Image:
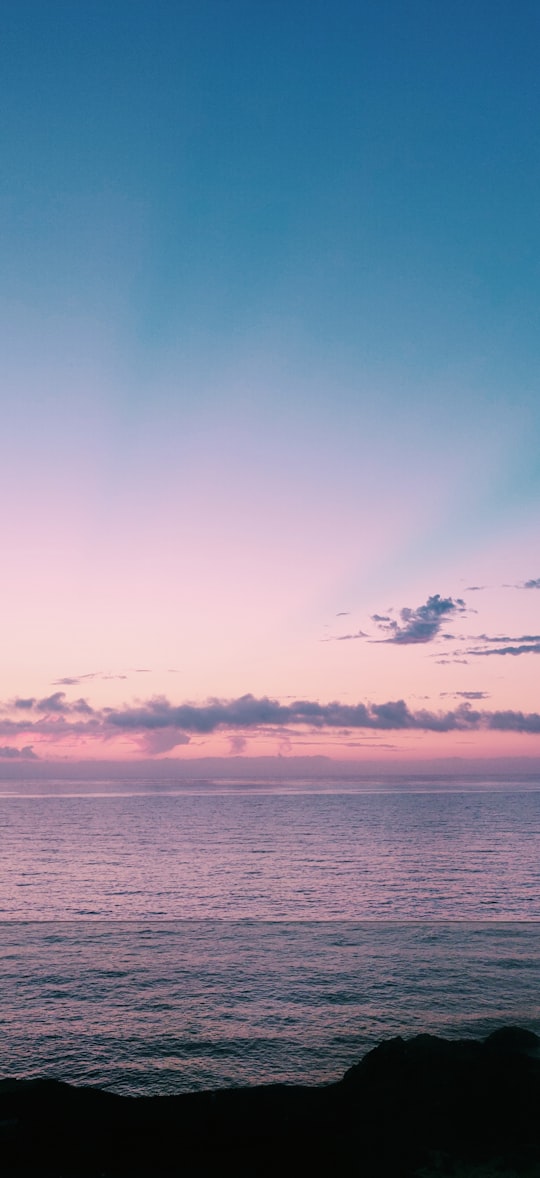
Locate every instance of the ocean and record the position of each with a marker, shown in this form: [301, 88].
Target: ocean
[169, 940]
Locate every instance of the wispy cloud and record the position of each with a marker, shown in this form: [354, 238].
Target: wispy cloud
[419, 625]
[466, 694]
[506, 638]
[345, 637]
[523, 648]
[76, 680]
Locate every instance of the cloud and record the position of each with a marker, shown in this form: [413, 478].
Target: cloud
[76, 680]
[472, 694]
[345, 637]
[343, 613]
[159, 725]
[452, 662]
[422, 624]
[474, 588]
[466, 694]
[10, 753]
[58, 704]
[162, 741]
[534, 583]
[514, 721]
[248, 712]
[237, 745]
[506, 638]
[504, 644]
[523, 648]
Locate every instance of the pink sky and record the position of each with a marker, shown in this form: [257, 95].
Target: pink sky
[270, 372]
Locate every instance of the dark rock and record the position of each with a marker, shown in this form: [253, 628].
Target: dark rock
[423, 1104]
[512, 1039]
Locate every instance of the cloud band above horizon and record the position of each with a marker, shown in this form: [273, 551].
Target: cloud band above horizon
[56, 719]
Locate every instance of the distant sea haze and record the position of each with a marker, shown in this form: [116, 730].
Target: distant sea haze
[222, 935]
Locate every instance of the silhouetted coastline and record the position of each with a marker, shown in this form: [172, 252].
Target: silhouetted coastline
[423, 1106]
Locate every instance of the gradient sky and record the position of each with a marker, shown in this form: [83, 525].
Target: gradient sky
[270, 360]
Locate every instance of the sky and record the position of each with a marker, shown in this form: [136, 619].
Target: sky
[269, 379]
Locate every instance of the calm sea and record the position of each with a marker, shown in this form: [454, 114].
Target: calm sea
[167, 941]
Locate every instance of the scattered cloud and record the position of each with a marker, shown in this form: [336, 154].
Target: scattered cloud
[534, 583]
[343, 613]
[419, 625]
[475, 588]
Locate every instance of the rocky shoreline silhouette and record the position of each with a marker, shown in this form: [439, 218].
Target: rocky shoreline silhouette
[419, 1107]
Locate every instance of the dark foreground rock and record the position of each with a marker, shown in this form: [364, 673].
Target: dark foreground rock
[423, 1106]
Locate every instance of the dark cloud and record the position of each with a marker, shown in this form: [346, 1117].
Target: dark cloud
[249, 712]
[514, 721]
[53, 703]
[160, 726]
[534, 583]
[343, 613]
[24, 704]
[9, 753]
[422, 624]
[58, 704]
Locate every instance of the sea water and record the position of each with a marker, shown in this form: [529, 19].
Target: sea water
[210, 935]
